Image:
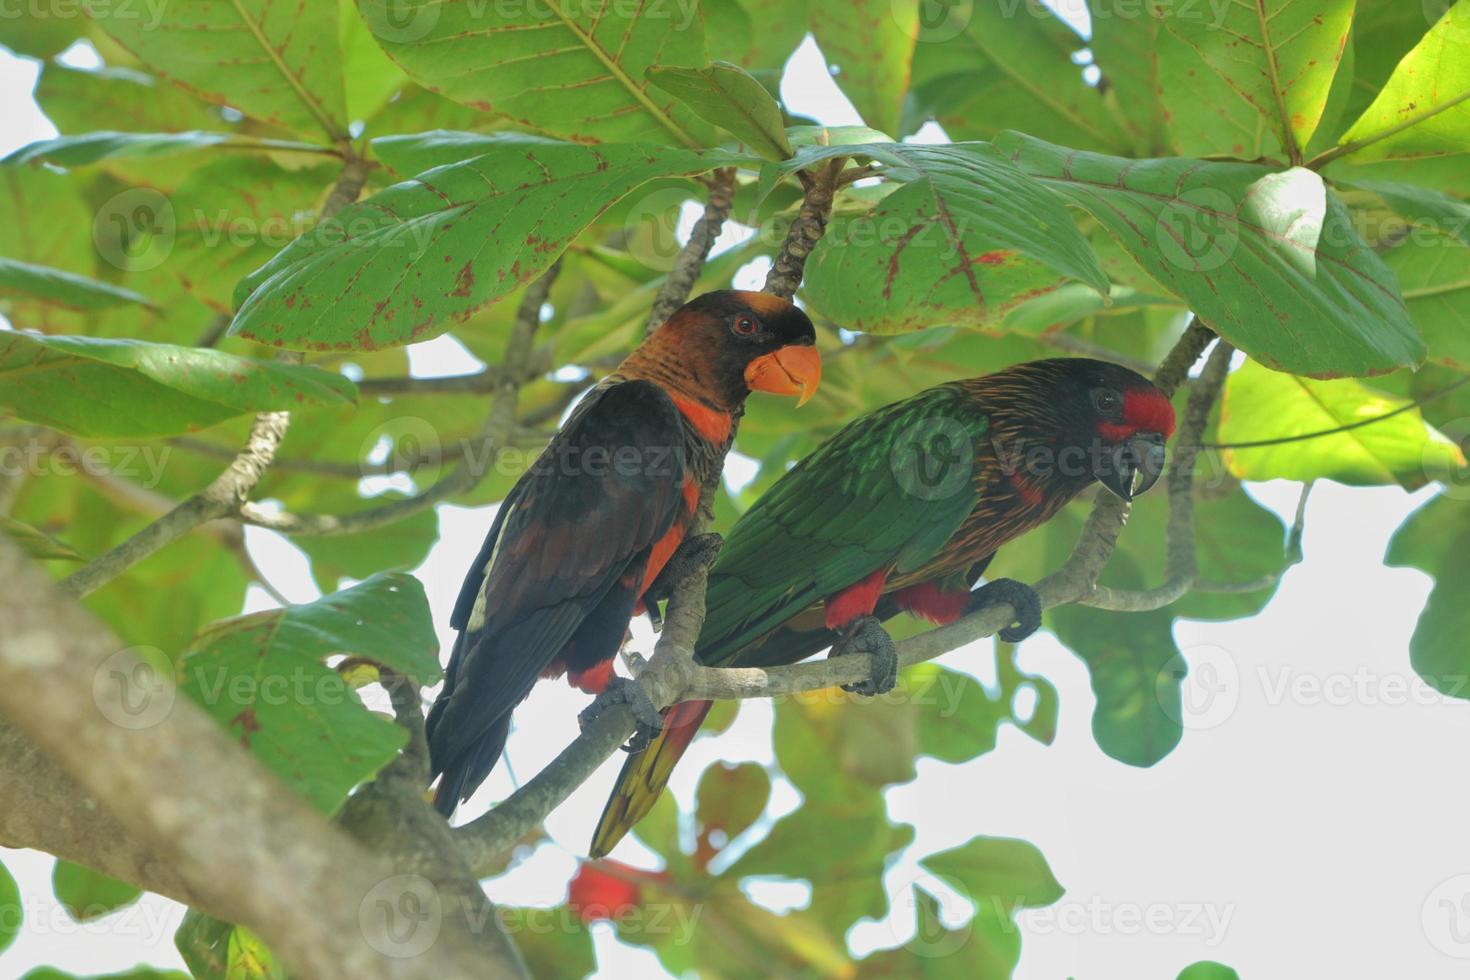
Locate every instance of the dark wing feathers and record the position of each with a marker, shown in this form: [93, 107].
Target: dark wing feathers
[571, 527]
[840, 514]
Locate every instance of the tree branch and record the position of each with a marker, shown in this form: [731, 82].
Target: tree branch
[239, 842]
[672, 676]
[806, 230]
[688, 264]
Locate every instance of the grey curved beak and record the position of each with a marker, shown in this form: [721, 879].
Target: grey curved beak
[1133, 466]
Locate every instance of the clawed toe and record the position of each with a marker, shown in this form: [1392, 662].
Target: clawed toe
[1020, 597]
[620, 691]
[867, 635]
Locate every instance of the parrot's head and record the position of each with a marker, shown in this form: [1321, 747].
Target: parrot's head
[732, 343]
[1093, 420]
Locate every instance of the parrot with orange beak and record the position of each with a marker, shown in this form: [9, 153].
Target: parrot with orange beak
[579, 543]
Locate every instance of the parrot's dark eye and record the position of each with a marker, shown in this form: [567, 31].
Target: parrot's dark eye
[744, 325]
[1106, 401]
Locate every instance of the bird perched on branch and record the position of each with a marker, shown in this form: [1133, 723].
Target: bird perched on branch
[901, 511]
[581, 540]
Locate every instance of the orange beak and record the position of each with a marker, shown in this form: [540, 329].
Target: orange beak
[791, 370]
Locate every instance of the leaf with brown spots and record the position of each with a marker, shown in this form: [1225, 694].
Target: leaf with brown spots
[404, 264]
[265, 679]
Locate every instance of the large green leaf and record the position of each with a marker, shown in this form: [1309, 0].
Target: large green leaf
[729, 97]
[48, 224]
[730, 799]
[987, 67]
[1436, 539]
[1123, 47]
[1422, 110]
[401, 545]
[86, 148]
[95, 387]
[1272, 62]
[1269, 260]
[1424, 207]
[965, 241]
[1008, 873]
[1208, 970]
[988, 947]
[263, 677]
[1260, 404]
[572, 70]
[414, 153]
[35, 542]
[89, 894]
[871, 45]
[399, 266]
[756, 34]
[62, 288]
[1434, 272]
[1135, 669]
[276, 63]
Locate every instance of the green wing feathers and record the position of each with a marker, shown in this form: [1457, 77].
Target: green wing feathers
[889, 489]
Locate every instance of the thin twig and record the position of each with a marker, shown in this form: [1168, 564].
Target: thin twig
[806, 230]
[688, 264]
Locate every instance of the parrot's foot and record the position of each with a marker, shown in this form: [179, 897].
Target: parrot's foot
[621, 690]
[699, 551]
[867, 635]
[1020, 597]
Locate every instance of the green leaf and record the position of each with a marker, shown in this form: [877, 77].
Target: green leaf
[414, 153]
[263, 678]
[404, 544]
[1424, 206]
[136, 973]
[1208, 970]
[35, 542]
[63, 288]
[89, 894]
[1135, 670]
[871, 44]
[551, 941]
[756, 34]
[942, 250]
[1434, 273]
[37, 31]
[731, 798]
[1000, 871]
[96, 387]
[1265, 64]
[87, 148]
[1260, 404]
[986, 947]
[1123, 46]
[278, 64]
[397, 267]
[1271, 261]
[217, 950]
[12, 912]
[51, 226]
[1436, 540]
[574, 71]
[989, 67]
[729, 97]
[1422, 108]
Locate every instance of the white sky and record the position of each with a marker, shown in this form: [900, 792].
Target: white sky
[1311, 824]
